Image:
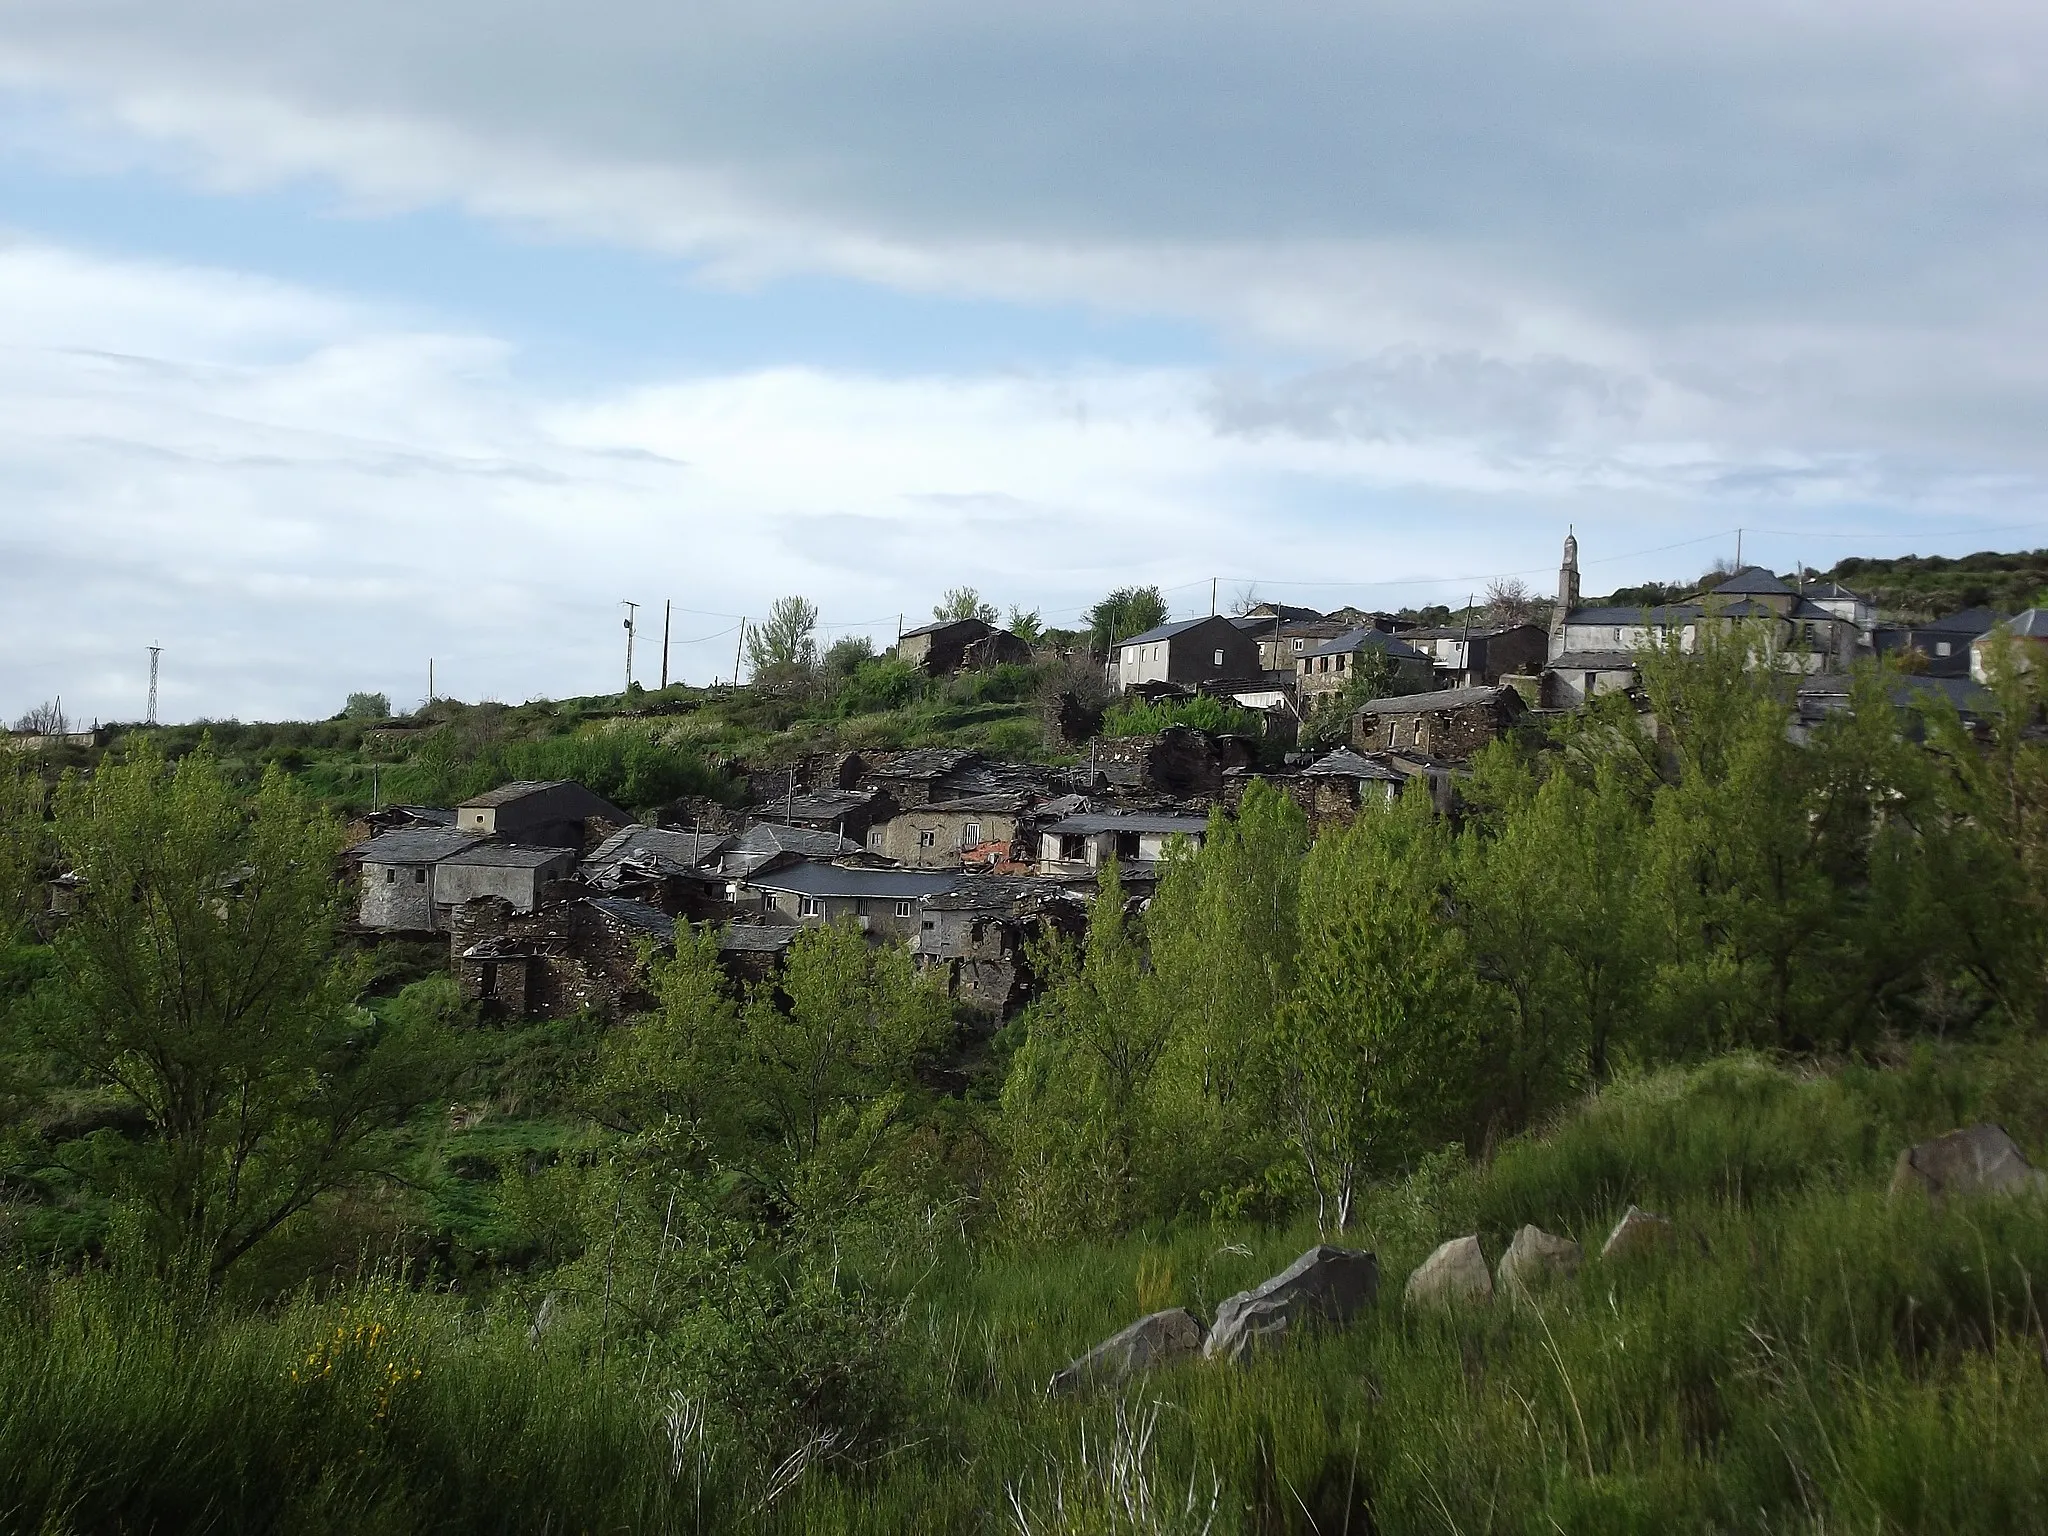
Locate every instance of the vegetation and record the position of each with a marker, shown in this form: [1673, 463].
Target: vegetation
[1203, 712]
[1125, 612]
[802, 1256]
[1928, 586]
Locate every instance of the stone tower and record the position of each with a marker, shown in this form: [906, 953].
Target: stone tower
[1567, 584]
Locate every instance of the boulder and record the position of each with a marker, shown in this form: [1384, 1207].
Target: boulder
[1638, 1231]
[1536, 1257]
[1454, 1274]
[1160, 1339]
[1326, 1285]
[1976, 1160]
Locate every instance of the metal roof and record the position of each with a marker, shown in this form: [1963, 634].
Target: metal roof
[1134, 821]
[416, 845]
[811, 878]
[1447, 698]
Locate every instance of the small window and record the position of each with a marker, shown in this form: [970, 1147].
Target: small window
[1617, 634]
[903, 908]
[807, 906]
[1300, 644]
[860, 906]
[390, 875]
[1126, 845]
[1341, 660]
[1941, 648]
[970, 835]
[770, 902]
[927, 838]
[419, 877]
[1219, 657]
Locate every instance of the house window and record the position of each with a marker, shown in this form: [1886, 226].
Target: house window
[1299, 644]
[1941, 647]
[860, 906]
[770, 902]
[1127, 845]
[419, 877]
[390, 875]
[927, 838]
[970, 835]
[1073, 847]
[807, 906]
[1219, 658]
[903, 909]
[1341, 660]
[1617, 634]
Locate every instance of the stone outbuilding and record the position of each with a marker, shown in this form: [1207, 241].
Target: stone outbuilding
[1182, 761]
[571, 956]
[396, 874]
[559, 813]
[978, 936]
[979, 830]
[959, 645]
[1190, 652]
[1452, 724]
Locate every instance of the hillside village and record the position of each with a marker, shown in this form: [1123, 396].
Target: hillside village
[551, 898]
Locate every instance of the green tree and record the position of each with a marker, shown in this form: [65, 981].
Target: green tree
[198, 980]
[367, 706]
[680, 1065]
[785, 645]
[1372, 1061]
[1125, 612]
[844, 656]
[963, 603]
[23, 841]
[1024, 624]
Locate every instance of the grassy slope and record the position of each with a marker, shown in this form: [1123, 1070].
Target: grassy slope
[1927, 586]
[1813, 1357]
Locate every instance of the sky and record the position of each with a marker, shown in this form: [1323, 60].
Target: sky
[336, 339]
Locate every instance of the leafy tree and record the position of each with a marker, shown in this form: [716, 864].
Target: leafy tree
[681, 1064]
[844, 656]
[963, 603]
[367, 706]
[1371, 1059]
[23, 841]
[785, 644]
[1125, 612]
[198, 981]
[1024, 624]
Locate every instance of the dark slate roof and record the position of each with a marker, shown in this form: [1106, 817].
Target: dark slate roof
[416, 845]
[510, 856]
[505, 794]
[651, 922]
[1445, 698]
[1905, 691]
[1287, 613]
[425, 815]
[915, 763]
[973, 805]
[2033, 623]
[1347, 764]
[766, 838]
[1594, 661]
[997, 893]
[944, 624]
[1165, 631]
[1971, 621]
[660, 848]
[1752, 581]
[812, 878]
[1128, 821]
[756, 938]
[1667, 613]
[1459, 632]
[819, 805]
[1354, 640]
[1832, 591]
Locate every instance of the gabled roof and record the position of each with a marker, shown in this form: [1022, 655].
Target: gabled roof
[1832, 592]
[638, 916]
[505, 794]
[416, 845]
[1266, 613]
[1347, 764]
[915, 763]
[2032, 623]
[1445, 698]
[813, 878]
[1168, 631]
[997, 893]
[1971, 621]
[1353, 641]
[1752, 581]
[1663, 613]
[659, 848]
[768, 838]
[944, 624]
[511, 856]
[756, 938]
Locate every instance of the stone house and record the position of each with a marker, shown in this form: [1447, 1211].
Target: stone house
[1336, 786]
[2023, 638]
[1452, 724]
[847, 812]
[919, 775]
[559, 813]
[978, 935]
[1465, 656]
[396, 875]
[979, 830]
[753, 952]
[805, 892]
[1327, 667]
[1181, 761]
[1079, 845]
[567, 957]
[1191, 652]
[517, 874]
[957, 645]
[1283, 642]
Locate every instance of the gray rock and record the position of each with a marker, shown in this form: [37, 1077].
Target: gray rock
[1637, 1232]
[1536, 1257]
[1976, 1160]
[1326, 1285]
[1160, 1339]
[1453, 1275]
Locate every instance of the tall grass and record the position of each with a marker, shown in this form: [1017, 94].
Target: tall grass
[1810, 1355]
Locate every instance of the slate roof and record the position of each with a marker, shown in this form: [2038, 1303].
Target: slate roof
[819, 805]
[996, 893]
[812, 878]
[1594, 661]
[1166, 631]
[1665, 613]
[416, 845]
[1347, 764]
[1833, 591]
[1089, 823]
[1459, 632]
[1355, 640]
[1287, 613]
[505, 794]
[915, 763]
[767, 838]
[2033, 623]
[657, 847]
[1752, 581]
[1445, 698]
[1971, 621]
[756, 938]
[942, 624]
[511, 856]
[650, 922]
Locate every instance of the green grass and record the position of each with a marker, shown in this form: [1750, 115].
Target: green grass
[1812, 1356]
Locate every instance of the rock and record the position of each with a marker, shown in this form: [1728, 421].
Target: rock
[1327, 1285]
[1454, 1274]
[1976, 1160]
[1638, 1231]
[1160, 1339]
[1536, 1257]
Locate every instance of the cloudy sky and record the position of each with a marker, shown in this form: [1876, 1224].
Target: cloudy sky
[338, 337]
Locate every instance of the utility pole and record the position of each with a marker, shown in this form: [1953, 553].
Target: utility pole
[664, 642]
[430, 679]
[1212, 597]
[739, 647]
[1738, 549]
[1465, 645]
[154, 652]
[631, 609]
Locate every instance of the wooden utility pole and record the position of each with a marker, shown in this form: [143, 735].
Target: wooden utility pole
[1212, 597]
[739, 647]
[631, 609]
[665, 605]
